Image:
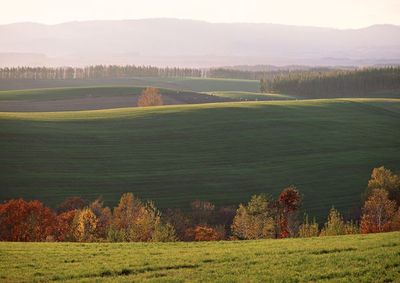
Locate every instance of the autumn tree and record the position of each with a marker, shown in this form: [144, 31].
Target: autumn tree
[103, 216]
[164, 233]
[179, 220]
[150, 97]
[125, 215]
[202, 212]
[335, 224]
[71, 203]
[254, 220]
[378, 212]
[308, 229]
[64, 226]
[382, 178]
[85, 225]
[289, 202]
[26, 221]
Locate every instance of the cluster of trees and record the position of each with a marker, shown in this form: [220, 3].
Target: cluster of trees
[95, 72]
[330, 83]
[138, 221]
[150, 97]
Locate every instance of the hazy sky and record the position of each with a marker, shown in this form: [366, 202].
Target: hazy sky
[327, 13]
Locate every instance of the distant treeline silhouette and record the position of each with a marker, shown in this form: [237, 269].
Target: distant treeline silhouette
[332, 82]
[133, 220]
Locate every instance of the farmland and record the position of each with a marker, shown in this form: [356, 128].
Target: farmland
[222, 152]
[355, 258]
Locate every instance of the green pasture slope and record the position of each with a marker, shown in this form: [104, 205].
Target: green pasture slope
[222, 152]
[64, 93]
[355, 258]
[188, 84]
[251, 96]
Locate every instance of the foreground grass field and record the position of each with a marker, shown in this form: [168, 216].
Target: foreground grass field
[222, 152]
[358, 258]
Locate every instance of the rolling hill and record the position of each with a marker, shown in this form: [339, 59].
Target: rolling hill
[91, 98]
[222, 152]
[355, 258]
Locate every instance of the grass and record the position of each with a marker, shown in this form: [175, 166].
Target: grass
[355, 258]
[63, 93]
[189, 84]
[222, 152]
[251, 96]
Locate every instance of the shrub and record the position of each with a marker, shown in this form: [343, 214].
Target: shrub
[164, 233]
[335, 224]
[307, 229]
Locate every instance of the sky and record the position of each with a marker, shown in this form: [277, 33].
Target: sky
[324, 13]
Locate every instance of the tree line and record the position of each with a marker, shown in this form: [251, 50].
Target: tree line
[329, 83]
[134, 220]
[95, 72]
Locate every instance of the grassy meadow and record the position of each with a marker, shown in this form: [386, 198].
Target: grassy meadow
[188, 84]
[354, 258]
[251, 96]
[222, 152]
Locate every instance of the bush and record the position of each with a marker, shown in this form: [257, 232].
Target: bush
[307, 229]
[335, 224]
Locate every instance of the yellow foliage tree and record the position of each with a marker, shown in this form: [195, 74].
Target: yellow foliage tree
[86, 223]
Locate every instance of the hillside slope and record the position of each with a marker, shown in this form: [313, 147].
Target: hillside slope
[356, 258]
[221, 152]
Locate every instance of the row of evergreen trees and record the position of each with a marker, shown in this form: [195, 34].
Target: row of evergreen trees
[95, 72]
[333, 83]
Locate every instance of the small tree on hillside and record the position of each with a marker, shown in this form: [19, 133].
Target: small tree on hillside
[308, 229]
[254, 220]
[335, 224]
[289, 202]
[378, 212]
[382, 178]
[150, 97]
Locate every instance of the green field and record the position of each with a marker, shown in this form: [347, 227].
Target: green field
[188, 84]
[222, 152]
[251, 96]
[358, 258]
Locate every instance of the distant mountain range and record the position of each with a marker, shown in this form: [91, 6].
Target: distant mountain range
[188, 43]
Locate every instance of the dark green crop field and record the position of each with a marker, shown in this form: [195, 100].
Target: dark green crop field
[356, 258]
[221, 152]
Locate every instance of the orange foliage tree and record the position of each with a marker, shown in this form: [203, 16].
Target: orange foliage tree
[150, 97]
[26, 221]
[378, 212]
[204, 233]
